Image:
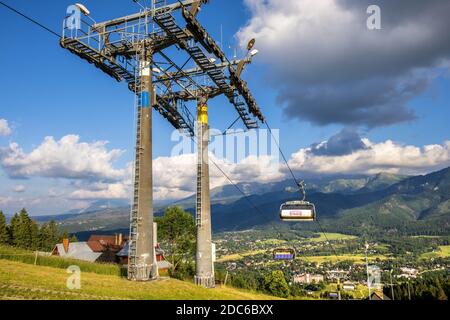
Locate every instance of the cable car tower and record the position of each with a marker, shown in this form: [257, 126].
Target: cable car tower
[136, 49]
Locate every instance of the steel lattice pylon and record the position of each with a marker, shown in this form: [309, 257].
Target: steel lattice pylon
[132, 49]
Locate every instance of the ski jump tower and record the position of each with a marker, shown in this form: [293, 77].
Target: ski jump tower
[135, 49]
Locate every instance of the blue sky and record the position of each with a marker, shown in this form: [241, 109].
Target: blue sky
[46, 91]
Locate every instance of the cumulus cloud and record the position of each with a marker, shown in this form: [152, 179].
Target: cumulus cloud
[40, 204]
[163, 193]
[175, 177]
[67, 158]
[387, 156]
[329, 68]
[54, 193]
[263, 169]
[5, 130]
[174, 173]
[4, 201]
[19, 188]
[102, 191]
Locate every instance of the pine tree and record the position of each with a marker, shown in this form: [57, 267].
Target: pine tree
[55, 236]
[4, 234]
[14, 229]
[49, 236]
[35, 236]
[22, 233]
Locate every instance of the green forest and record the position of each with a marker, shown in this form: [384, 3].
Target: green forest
[22, 232]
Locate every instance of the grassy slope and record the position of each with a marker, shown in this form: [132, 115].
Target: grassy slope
[444, 252]
[331, 236]
[24, 281]
[355, 258]
[239, 256]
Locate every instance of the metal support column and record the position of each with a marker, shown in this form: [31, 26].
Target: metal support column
[204, 265]
[142, 265]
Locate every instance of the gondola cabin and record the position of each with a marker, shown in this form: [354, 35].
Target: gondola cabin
[284, 254]
[298, 211]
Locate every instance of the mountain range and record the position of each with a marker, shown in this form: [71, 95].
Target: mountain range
[352, 204]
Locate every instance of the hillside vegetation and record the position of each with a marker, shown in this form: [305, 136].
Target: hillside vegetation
[442, 252]
[331, 237]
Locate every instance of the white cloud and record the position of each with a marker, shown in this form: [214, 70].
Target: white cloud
[90, 164]
[40, 204]
[387, 156]
[175, 177]
[67, 158]
[177, 172]
[54, 193]
[5, 130]
[19, 188]
[4, 201]
[162, 193]
[261, 169]
[105, 191]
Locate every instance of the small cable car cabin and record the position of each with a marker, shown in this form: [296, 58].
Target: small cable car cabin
[298, 211]
[284, 254]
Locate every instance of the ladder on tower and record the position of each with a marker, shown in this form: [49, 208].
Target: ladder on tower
[167, 23]
[134, 218]
[198, 207]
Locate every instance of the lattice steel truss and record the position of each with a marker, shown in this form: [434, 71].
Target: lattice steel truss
[113, 47]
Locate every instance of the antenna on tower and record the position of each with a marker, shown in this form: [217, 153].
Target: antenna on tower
[138, 2]
[221, 37]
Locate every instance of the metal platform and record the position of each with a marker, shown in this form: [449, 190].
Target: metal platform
[100, 60]
[216, 73]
